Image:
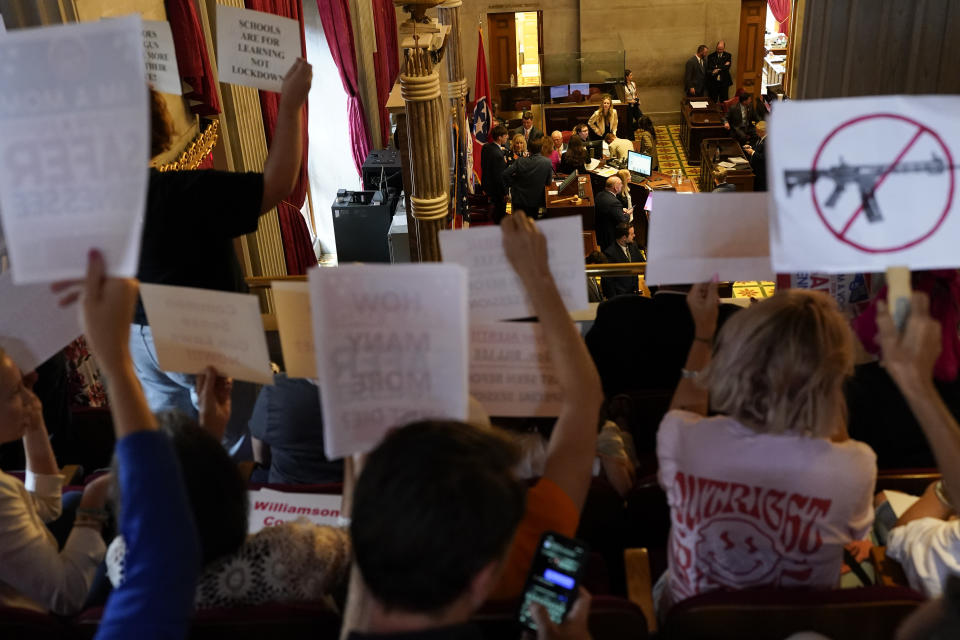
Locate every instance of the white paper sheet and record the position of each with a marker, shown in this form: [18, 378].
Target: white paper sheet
[699, 104]
[74, 130]
[899, 501]
[391, 343]
[511, 372]
[196, 328]
[32, 325]
[269, 507]
[255, 49]
[593, 164]
[902, 150]
[694, 236]
[495, 289]
[294, 324]
[160, 57]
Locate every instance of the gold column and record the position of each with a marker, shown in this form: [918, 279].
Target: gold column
[448, 14]
[428, 123]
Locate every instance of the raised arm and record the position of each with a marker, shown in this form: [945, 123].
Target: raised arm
[572, 446]
[282, 167]
[704, 307]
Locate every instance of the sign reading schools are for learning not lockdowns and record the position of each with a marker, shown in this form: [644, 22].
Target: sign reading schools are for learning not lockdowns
[255, 49]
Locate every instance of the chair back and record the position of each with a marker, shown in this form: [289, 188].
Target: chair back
[912, 481]
[726, 104]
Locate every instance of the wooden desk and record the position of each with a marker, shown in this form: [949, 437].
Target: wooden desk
[742, 176]
[698, 124]
[563, 117]
[586, 208]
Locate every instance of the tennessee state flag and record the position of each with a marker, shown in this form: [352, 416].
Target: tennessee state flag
[482, 116]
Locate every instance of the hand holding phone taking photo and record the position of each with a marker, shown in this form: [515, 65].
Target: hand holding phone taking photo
[574, 627]
[553, 584]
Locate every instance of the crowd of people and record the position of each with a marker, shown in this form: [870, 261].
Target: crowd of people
[743, 415]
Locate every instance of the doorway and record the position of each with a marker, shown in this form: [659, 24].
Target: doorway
[516, 49]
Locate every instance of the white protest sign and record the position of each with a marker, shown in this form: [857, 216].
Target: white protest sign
[160, 57]
[495, 289]
[74, 145]
[694, 237]
[292, 301]
[33, 326]
[255, 49]
[391, 343]
[511, 373]
[865, 183]
[268, 508]
[196, 328]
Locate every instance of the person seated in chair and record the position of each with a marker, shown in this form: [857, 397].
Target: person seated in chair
[623, 249]
[741, 119]
[722, 186]
[610, 212]
[618, 147]
[527, 178]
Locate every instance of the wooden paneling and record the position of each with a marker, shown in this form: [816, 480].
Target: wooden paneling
[503, 50]
[753, 17]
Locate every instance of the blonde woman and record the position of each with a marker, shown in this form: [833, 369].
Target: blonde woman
[603, 120]
[518, 147]
[624, 196]
[768, 491]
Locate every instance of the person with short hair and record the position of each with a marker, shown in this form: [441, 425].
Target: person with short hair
[623, 250]
[527, 177]
[582, 131]
[694, 75]
[718, 78]
[527, 129]
[559, 146]
[720, 177]
[769, 490]
[741, 119]
[610, 212]
[757, 155]
[492, 165]
[619, 148]
[603, 120]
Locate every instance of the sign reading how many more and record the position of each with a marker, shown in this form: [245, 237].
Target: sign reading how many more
[391, 343]
[74, 145]
[160, 57]
[255, 49]
[861, 184]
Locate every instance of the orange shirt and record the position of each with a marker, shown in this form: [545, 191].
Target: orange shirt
[548, 509]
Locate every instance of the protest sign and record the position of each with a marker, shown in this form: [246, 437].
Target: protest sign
[694, 238]
[292, 301]
[511, 373]
[33, 326]
[196, 328]
[864, 184]
[391, 347]
[160, 57]
[255, 49]
[269, 507]
[495, 289]
[74, 145]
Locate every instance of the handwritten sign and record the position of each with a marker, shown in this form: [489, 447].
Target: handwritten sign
[268, 508]
[495, 289]
[865, 184]
[74, 143]
[33, 326]
[511, 373]
[197, 328]
[696, 236]
[255, 49]
[391, 346]
[292, 300]
[160, 57]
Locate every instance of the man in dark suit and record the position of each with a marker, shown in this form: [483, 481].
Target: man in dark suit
[758, 158]
[610, 212]
[718, 73]
[527, 130]
[740, 119]
[695, 73]
[623, 249]
[492, 165]
[527, 178]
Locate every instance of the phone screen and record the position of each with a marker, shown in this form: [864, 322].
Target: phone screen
[554, 577]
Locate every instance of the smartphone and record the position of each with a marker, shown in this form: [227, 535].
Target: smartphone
[554, 577]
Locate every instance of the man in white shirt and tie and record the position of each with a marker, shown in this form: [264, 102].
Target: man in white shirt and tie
[623, 249]
[694, 76]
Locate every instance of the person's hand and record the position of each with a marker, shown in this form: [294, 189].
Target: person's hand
[96, 492]
[213, 401]
[296, 85]
[106, 313]
[33, 410]
[524, 245]
[909, 357]
[704, 304]
[747, 149]
[726, 125]
[574, 627]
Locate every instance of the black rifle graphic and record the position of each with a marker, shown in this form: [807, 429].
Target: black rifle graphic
[866, 177]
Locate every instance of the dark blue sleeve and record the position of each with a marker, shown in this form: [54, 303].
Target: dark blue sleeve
[163, 552]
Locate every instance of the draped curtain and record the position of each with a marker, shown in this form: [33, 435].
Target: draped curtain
[192, 58]
[297, 248]
[385, 60]
[338, 30]
[781, 13]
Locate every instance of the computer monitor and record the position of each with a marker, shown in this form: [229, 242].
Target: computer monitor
[594, 148]
[639, 164]
[559, 91]
[582, 87]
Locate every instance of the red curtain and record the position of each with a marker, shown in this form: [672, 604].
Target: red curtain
[297, 248]
[386, 60]
[337, 28]
[192, 59]
[781, 13]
